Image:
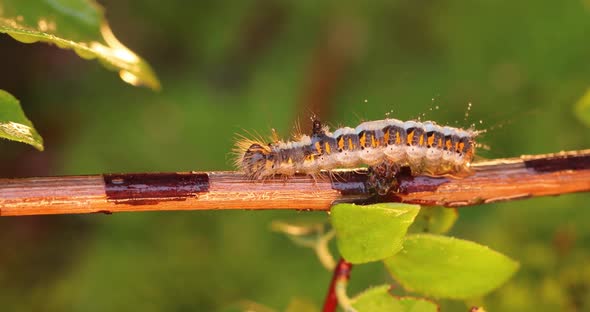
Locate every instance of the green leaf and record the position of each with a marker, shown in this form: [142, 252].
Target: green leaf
[14, 125]
[373, 232]
[436, 220]
[582, 108]
[447, 267]
[78, 25]
[379, 299]
[412, 304]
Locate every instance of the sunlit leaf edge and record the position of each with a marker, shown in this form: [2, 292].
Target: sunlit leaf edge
[114, 55]
[18, 130]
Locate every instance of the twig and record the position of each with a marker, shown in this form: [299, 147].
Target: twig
[492, 181]
[341, 274]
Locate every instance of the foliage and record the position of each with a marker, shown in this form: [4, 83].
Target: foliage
[78, 25]
[370, 233]
[446, 267]
[378, 299]
[432, 265]
[14, 125]
[436, 220]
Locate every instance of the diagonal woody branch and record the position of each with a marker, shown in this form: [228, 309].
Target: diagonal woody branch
[492, 181]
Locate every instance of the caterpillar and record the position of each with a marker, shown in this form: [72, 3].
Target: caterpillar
[426, 147]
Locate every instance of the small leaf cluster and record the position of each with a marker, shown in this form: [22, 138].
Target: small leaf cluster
[429, 264]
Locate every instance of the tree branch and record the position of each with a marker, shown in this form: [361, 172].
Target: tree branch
[491, 181]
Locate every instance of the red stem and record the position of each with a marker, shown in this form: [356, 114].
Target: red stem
[341, 272]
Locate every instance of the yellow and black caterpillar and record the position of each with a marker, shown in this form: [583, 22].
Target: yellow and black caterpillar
[426, 147]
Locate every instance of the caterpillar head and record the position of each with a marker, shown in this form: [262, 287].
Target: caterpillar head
[254, 161]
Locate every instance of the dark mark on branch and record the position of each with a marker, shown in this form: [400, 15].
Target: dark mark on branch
[559, 163]
[407, 183]
[350, 183]
[410, 184]
[152, 188]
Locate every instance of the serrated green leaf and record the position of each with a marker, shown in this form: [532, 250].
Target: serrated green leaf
[448, 267]
[14, 125]
[435, 220]
[77, 25]
[379, 299]
[373, 232]
[582, 109]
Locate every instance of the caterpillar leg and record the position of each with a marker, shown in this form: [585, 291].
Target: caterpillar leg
[383, 177]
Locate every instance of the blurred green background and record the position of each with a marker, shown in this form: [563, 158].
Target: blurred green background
[229, 66]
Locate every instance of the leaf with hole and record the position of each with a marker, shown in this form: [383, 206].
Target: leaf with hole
[77, 25]
[372, 232]
[447, 267]
[14, 125]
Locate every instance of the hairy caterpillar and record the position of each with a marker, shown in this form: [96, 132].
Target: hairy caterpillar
[426, 147]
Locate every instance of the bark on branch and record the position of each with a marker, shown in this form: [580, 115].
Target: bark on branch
[492, 181]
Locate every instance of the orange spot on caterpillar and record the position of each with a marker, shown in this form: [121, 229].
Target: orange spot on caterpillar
[410, 137]
[430, 139]
[318, 147]
[363, 140]
[341, 143]
[386, 137]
